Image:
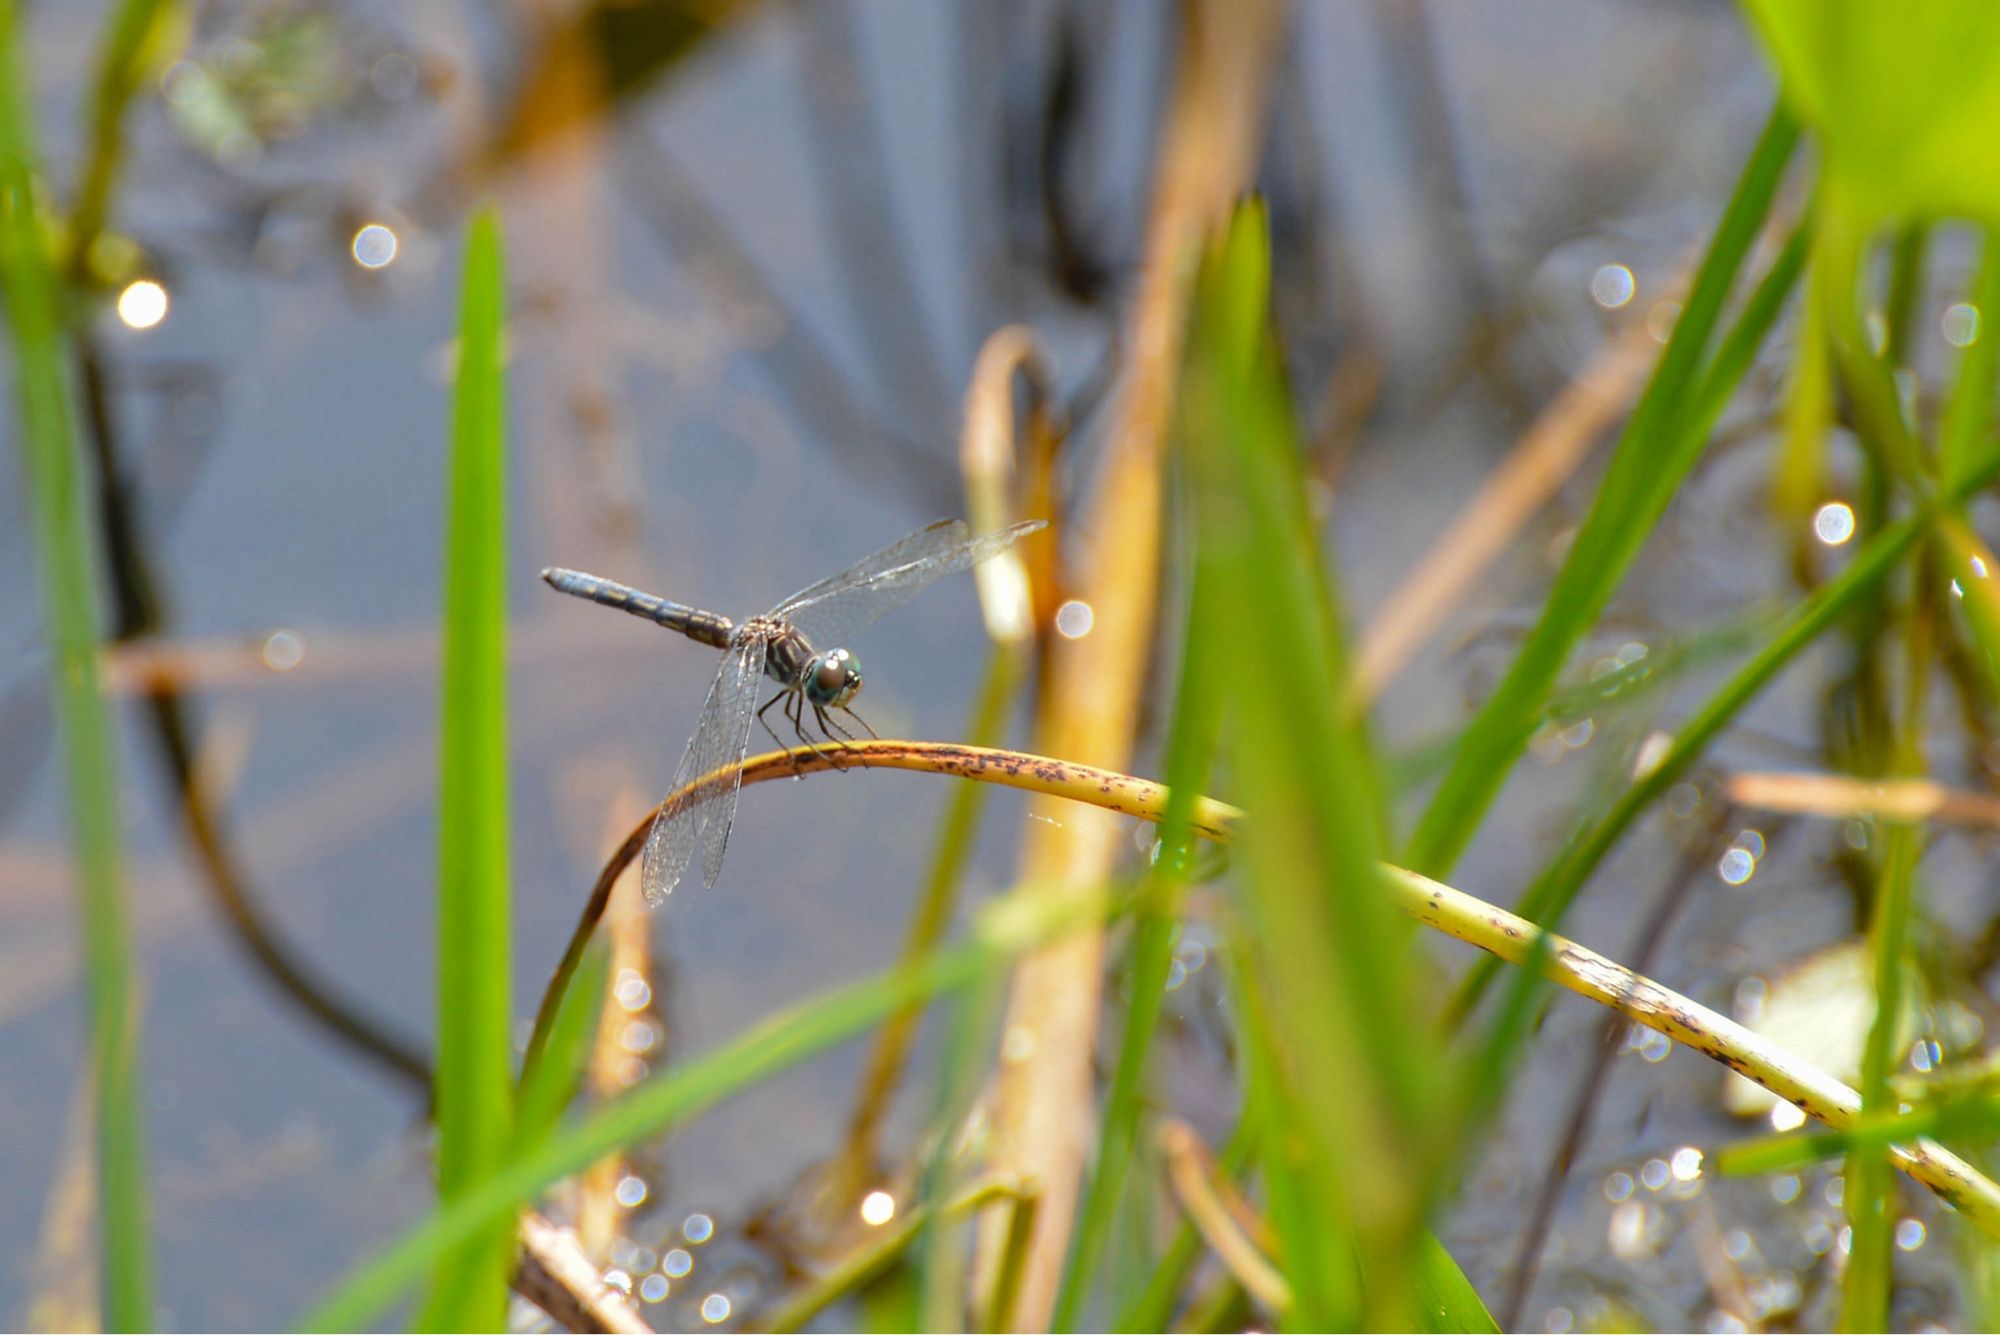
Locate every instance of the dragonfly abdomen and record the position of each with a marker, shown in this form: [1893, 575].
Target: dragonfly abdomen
[706, 627]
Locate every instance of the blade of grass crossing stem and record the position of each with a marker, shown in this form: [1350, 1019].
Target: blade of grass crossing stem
[69, 611]
[547, 1090]
[1551, 894]
[1610, 536]
[1008, 929]
[1733, 358]
[1963, 1117]
[1871, 1186]
[1190, 749]
[475, 1098]
[1357, 1070]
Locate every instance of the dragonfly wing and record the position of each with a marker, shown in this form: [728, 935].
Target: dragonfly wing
[701, 806]
[832, 610]
[931, 538]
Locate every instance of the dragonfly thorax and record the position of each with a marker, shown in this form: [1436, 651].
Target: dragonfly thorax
[832, 679]
[828, 680]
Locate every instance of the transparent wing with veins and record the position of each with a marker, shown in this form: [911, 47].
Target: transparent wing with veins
[701, 819]
[834, 609]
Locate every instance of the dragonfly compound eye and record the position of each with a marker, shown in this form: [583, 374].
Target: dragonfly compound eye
[834, 680]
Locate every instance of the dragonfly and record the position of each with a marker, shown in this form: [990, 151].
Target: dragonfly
[780, 645]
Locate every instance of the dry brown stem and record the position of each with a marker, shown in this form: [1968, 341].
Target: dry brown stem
[1042, 1109]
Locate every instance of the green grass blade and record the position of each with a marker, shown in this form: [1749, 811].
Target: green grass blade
[1154, 1307]
[130, 47]
[1871, 1188]
[69, 611]
[547, 1089]
[970, 1023]
[1190, 750]
[1974, 1116]
[1550, 896]
[1633, 495]
[475, 1101]
[1355, 1123]
[1967, 438]
[1005, 931]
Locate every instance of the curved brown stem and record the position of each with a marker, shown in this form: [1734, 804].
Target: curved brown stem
[1016, 769]
[1505, 935]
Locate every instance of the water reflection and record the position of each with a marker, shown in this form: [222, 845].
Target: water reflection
[374, 246]
[142, 304]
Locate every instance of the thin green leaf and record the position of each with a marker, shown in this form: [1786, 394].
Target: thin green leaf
[1967, 439]
[63, 560]
[1902, 97]
[546, 1091]
[1634, 494]
[1190, 751]
[1560, 882]
[1006, 930]
[1552, 892]
[1354, 1128]
[132, 45]
[1871, 1188]
[475, 1099]
[1154, 1307]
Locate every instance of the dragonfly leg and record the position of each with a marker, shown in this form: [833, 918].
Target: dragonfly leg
[840, 733]
[834, 730]
[797, 773]
[795, 710]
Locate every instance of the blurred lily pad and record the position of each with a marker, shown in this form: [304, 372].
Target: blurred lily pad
[1905, 100]
[1820, 1009]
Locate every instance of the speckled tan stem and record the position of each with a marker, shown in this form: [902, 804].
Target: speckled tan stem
[1589, 974]
[1453, 912]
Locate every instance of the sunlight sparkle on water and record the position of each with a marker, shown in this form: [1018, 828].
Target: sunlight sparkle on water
[284, 650]
[1685, 1164]
[654, 1288]
[374, 246]
[1786, 1117]
[1074, 619]
[698, 1228]
[1737, 866]
[1909, 1234]
[1960, 324]
[1612, 286]
[715, 1309]
[631, 1191]
[1833, 523]
[677, 1263]
[632, 990]
[142, 304]
[877, 1208]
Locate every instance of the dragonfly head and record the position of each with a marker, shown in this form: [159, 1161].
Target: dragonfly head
[833, 678]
